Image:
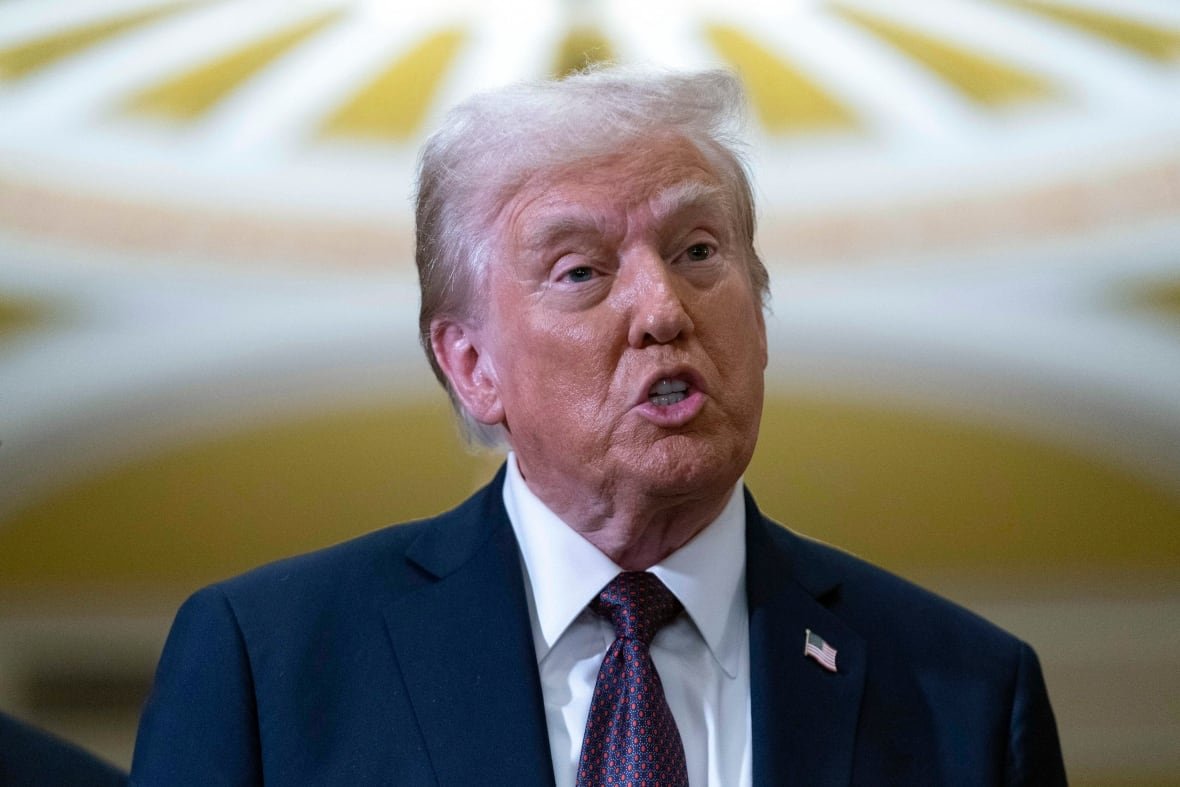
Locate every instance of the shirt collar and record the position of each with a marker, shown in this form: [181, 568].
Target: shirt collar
[565, 571]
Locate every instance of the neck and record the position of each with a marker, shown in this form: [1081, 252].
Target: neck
[636, 541]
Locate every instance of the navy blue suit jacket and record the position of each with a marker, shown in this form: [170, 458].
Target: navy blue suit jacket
[406, 657]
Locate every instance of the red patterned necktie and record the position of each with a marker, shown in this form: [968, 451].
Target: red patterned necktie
[631, 738]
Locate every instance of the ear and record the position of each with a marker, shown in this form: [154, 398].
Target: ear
[470, 371]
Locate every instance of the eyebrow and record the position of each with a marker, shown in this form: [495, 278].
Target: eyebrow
[555, 228]
[687, 195]
[668, 202]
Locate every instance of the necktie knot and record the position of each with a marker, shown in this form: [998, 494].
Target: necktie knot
[637, 604]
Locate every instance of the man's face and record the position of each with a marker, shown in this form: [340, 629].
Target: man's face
[623, 336]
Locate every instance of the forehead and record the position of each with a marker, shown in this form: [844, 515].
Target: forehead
[662, 176]
[641, 165]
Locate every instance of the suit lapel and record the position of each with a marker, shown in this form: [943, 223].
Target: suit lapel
[804, 717]
[464, 646]
[463, 642]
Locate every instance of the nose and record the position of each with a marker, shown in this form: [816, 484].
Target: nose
[658, 314]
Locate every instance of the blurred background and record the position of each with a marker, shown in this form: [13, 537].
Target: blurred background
[208, 356]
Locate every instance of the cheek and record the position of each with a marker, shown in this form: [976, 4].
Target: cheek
[736, 323]
[565, 345]
[739, 350]
[561, 367]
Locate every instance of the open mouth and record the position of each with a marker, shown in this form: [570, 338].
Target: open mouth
[668, 392]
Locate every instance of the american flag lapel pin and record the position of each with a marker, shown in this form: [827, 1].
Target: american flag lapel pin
[815, 647]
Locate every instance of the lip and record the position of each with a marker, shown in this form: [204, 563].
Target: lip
[672, 415]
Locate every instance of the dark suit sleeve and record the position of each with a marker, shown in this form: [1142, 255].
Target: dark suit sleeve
[31, 757]
[1034, 752]
[200, 722]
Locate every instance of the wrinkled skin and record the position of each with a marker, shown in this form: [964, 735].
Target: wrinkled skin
[609, 276]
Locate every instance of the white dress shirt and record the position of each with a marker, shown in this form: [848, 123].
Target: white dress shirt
[703, 657]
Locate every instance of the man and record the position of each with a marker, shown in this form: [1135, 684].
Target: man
[612, 605]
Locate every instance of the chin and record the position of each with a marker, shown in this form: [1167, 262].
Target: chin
[683, 466]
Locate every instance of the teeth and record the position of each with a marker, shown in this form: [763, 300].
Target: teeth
[667, 392]
[666, 386]
[664, 401]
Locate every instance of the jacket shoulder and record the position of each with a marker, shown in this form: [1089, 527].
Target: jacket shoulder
[955, 691]
[893, 612]
[361, 572]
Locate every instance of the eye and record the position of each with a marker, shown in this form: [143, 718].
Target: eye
[579, 274]
[699, 252]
